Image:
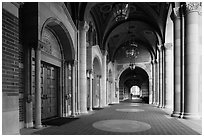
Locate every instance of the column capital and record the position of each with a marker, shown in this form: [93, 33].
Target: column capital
[152, 61]
[90, 71]
[83, 25]
[168, 46]
[176, 13]
[193, 7]
[156, 61]
[104, 52]
[73, 62]
[160, 47]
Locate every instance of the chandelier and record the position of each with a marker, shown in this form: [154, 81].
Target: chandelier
[121, 11]
[131, 53]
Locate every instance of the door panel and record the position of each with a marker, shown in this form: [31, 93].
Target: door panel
[49, 91]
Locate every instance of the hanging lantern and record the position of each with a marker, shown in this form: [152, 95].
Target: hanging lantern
[131, 53]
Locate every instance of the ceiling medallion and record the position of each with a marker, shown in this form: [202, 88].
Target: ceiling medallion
[121, 11]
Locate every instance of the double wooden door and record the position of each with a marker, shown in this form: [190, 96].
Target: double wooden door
[49, 88]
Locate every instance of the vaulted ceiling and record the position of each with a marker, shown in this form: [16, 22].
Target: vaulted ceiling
[145, 24]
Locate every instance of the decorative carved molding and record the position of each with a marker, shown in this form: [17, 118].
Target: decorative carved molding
[152, 62]
[83, 25]
[160, 47]
[156, 61]
[168, 46]
[40, 45]
[90, 71]
[176, 13]
[73, 62]
[193, 7]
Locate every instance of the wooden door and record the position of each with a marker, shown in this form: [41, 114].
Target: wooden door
[49, 87]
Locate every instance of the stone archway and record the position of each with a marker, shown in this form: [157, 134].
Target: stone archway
[53, 76]
[97, 88]
[129, 78]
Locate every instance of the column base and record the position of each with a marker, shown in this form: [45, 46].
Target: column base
[83, 112]
[90, 109]
[38, 126]
[194, 116]
[159, 106]
[28, 125]
[73, 116]
[175, 114]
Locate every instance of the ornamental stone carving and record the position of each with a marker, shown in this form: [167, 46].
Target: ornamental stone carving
[168, 46]
[193, 6]
[83, 25]
[175, 13]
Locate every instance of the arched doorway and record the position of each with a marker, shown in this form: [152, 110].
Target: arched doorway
[56, 72]
[135, 91]
[130, 80]
[109, 86]
[51, 57]
[96, 83]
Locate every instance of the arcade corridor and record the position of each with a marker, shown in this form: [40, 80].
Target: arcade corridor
[101, 68]
[151, 121]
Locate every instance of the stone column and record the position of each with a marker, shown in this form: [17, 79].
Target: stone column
[150, 91]
[73, 84]
[168, 75]
[65, 100]
[62, 89]
[153, 84]
[150, 87]
[83, 28]
[38, 87]
[192, 60]
[104, 79]
[160, 77]
[177, 60]
[113, 85]
[157, 82]
[163, 81]
[107, 91]
[28, 87]
[91, 89]
[100, 91]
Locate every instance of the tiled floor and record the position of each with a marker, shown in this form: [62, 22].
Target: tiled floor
[161, 123]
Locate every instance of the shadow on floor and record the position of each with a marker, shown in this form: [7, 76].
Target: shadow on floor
[132, 101]
[98, 108]
[58, 121]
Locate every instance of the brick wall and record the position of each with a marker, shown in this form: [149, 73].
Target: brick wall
[12, 58]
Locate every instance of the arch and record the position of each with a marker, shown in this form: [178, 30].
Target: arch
[98, 67]
[96, 53]
[125, 67]
[129, 78]
[63, 36]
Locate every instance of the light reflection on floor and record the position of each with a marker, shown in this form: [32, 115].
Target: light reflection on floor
[121, 125]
